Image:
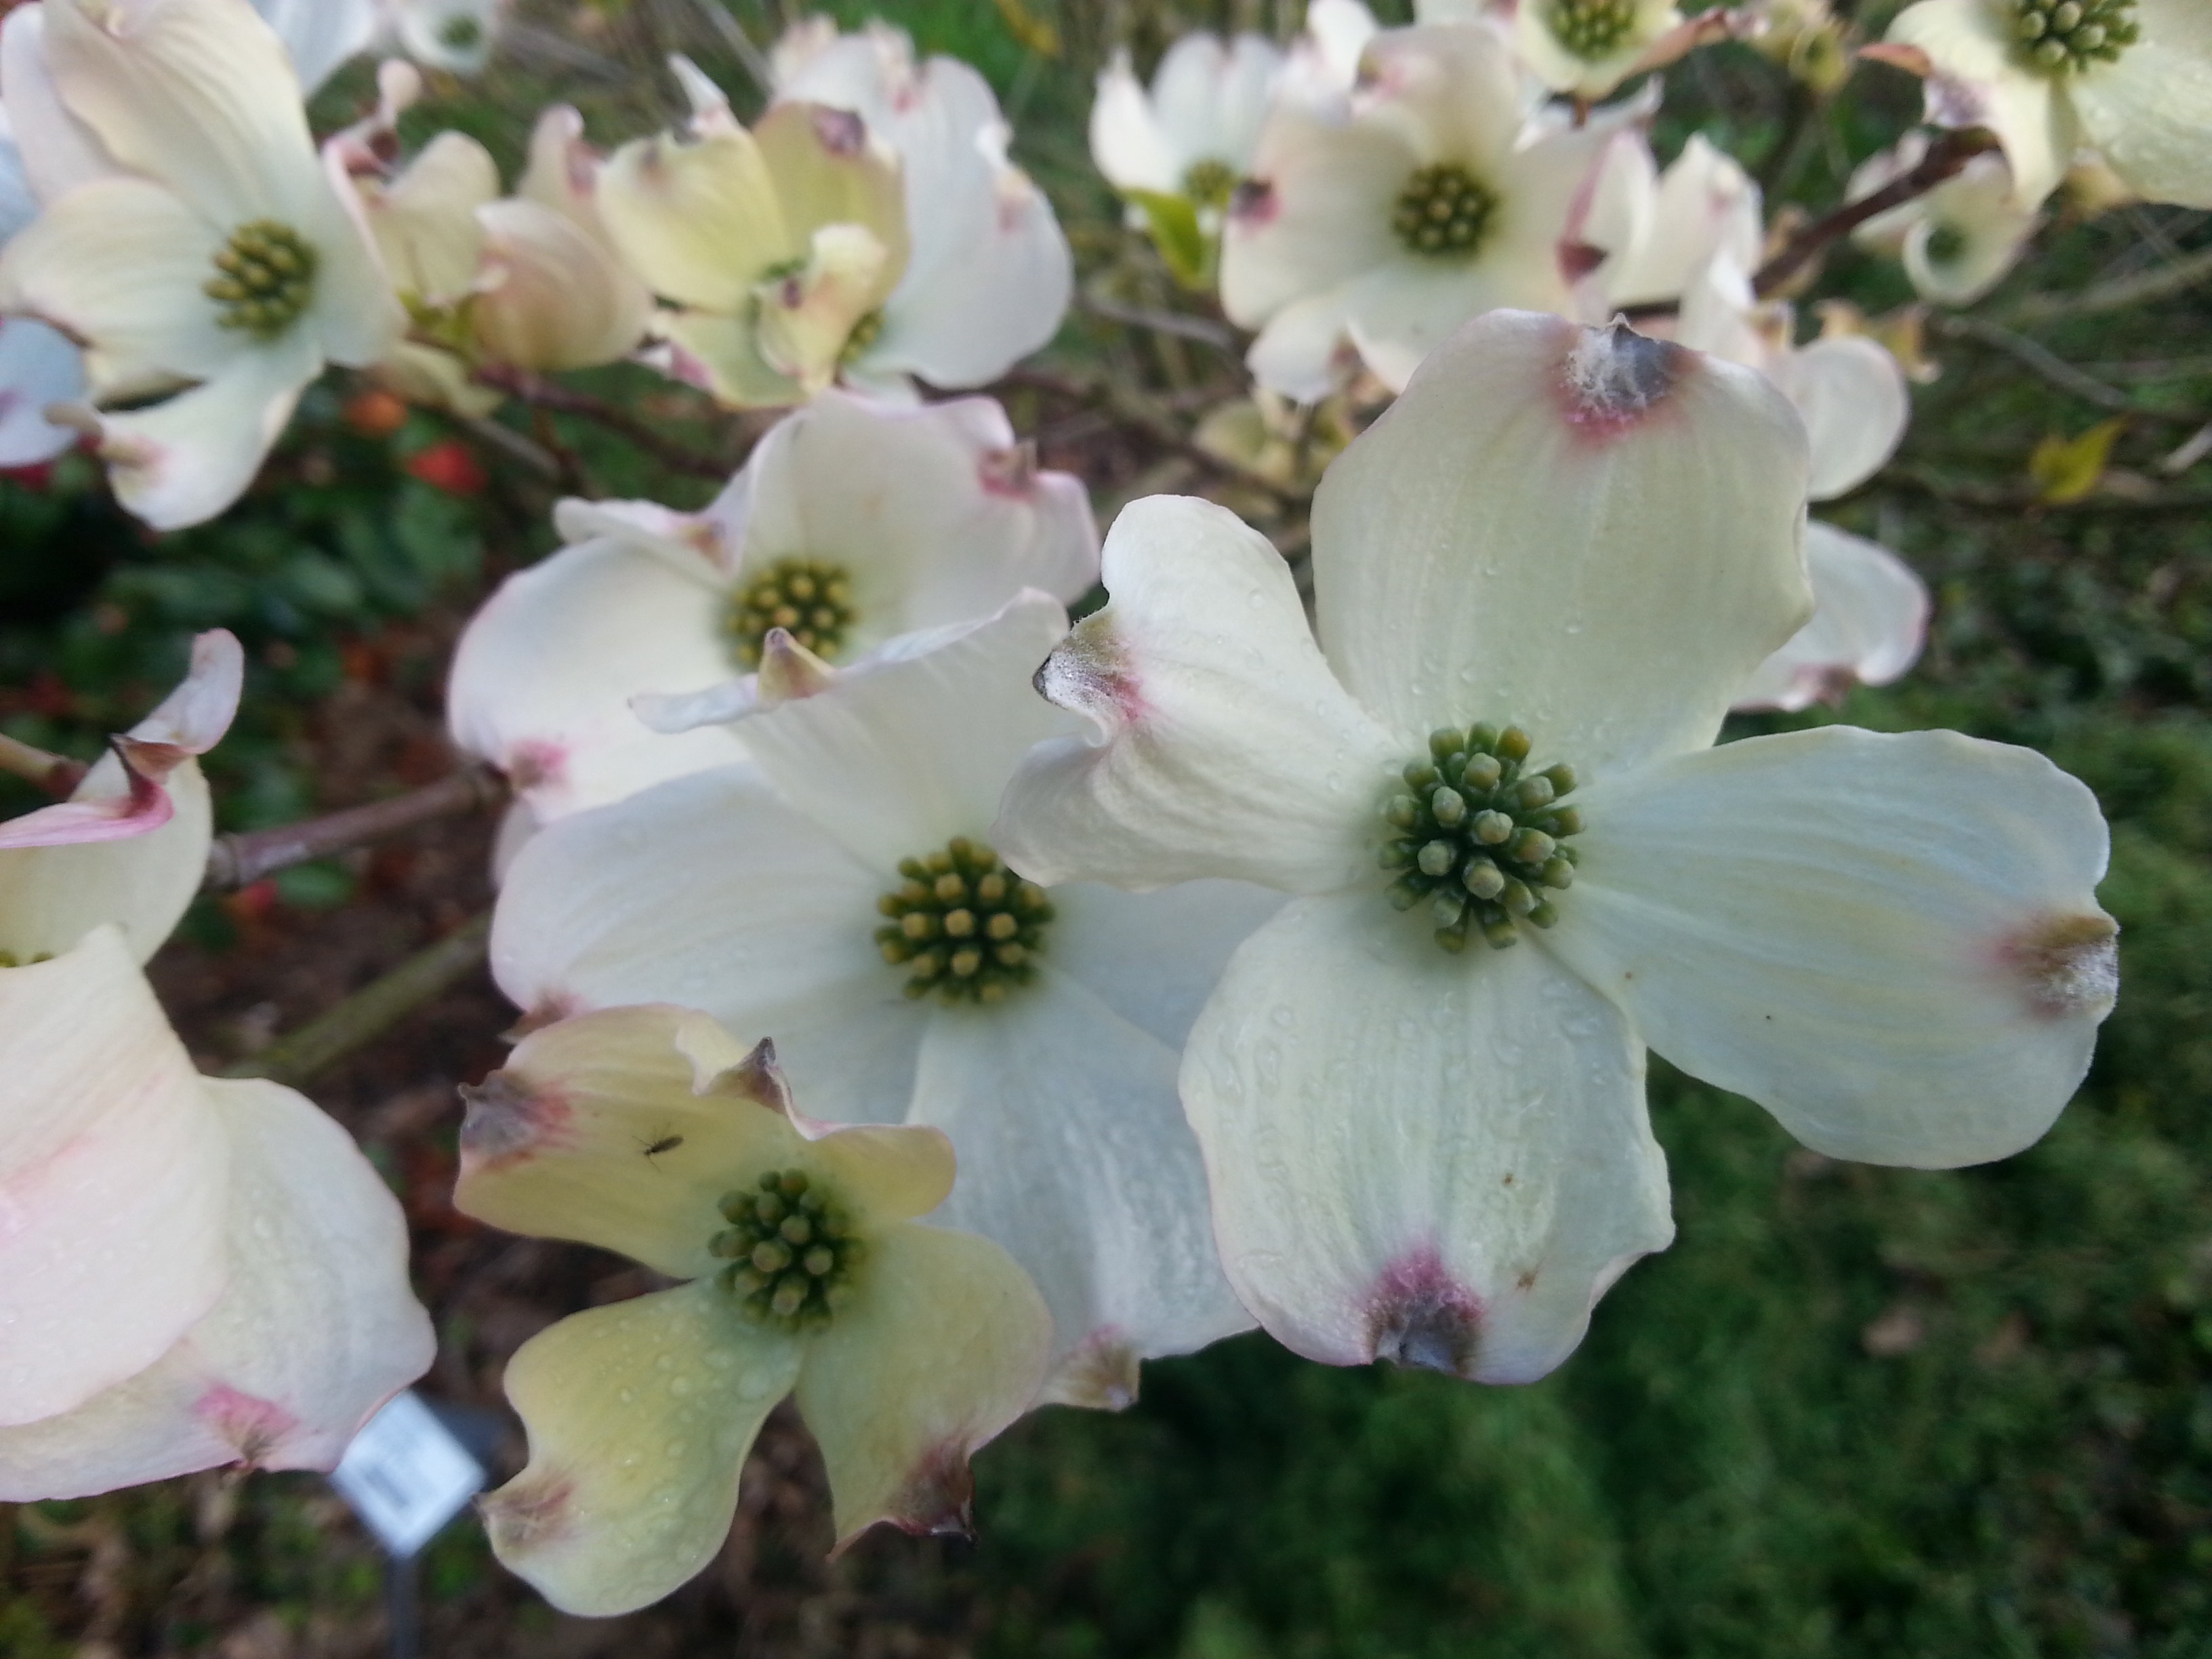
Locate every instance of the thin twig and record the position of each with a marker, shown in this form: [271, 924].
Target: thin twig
[1982, 498]
[1220, 336]
[55, 774]
[2122, 293]
[371, 1012]
[2057, 370]
[1945, 157]
[1132, 408]
[541, 393]
[531, 453]
[237, 861]
[741, 45]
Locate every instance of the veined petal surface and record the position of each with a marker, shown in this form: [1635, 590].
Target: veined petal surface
[1590, 534]
[197, 94]
[183, 461]
[543, 675]
[119, 263]
[316, 1327]
[943, 1347]
[710, 891]
[640, 1417]
[1439, 1160]
[899, 755]
[113, 1176]
[1075, 1156]
[1892, 943]
[1222, 744]
[2150, 114]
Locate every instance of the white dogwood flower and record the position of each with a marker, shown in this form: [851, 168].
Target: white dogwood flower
[905, 1346]
[1588, 47]
[1958, 240]
[850, 525]
[840, 891]
[989, 274]
[1426, 203]
[188, 235]
[194, 1271]
[457, 36]
[2129, 79]
[528, 280]
[1540, 578]
[1182, 146]
[778, 246]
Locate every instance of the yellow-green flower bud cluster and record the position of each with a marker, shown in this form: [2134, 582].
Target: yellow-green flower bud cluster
[264, 278]
[1443, 211]
[790, 1251]
[808, 599]
[1208, 182]
[962, 925]
[1592, 29]
[2062, 37]
[1480, 838]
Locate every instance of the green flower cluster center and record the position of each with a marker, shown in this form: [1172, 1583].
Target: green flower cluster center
[1592, 29]
[264, 278]
[790, 1251]
[1208, 182]
[865, 332]
[962, 925]
[1946, 244]
[809, 598]
[1480, 838]
[2064, 37]
[1443, 211]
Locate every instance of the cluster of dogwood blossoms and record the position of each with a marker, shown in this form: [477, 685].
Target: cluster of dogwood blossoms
[958, 1007]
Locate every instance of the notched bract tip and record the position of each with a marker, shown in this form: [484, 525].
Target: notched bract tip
[1615, 376]
[506, 1121]
[1420, 1317]
[2067, 965]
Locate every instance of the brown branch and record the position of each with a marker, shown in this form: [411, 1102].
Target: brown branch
[541, 393]
[1945, 157]
[368, 1013]
[58, 775]
[239, 859]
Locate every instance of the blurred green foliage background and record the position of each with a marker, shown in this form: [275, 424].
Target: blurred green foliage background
[1853, 1412]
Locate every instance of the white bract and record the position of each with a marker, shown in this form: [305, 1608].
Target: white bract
[1545, 573]
[187, 235]
[651, 1131]
[1849, 389]
[1869, 620]
[839, 890]
[194, 1271]
[989, 274]
[2129, 79]
[1958, 240]
[850, 525]
[1427, 202]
